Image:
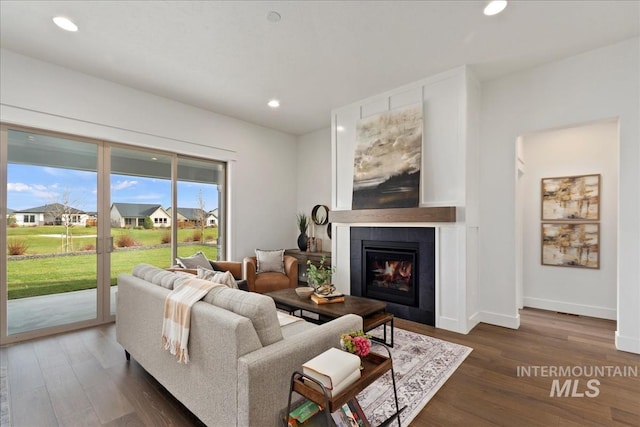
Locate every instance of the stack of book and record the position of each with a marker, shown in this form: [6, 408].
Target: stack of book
[327, 299]
[303, 415]
[350, 415]
[310, 414]
[334, 369]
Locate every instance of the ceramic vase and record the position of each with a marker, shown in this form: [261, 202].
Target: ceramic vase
[302, 242]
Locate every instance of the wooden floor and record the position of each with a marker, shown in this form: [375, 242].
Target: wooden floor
[81, 378]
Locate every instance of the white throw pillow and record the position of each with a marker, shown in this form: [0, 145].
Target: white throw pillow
[270, 260]
[224, 277]
[194, 261]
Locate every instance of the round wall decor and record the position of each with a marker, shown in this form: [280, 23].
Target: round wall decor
[320, 214]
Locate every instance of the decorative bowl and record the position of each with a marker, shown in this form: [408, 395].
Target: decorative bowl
[304, 291]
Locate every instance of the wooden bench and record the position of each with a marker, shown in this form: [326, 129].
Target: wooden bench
[377, 319]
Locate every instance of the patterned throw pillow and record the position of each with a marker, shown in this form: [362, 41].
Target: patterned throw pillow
[194, 261]
[270, 260]
[224, 277]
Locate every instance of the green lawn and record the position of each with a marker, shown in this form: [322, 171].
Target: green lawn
[39, 240]
[65, 272]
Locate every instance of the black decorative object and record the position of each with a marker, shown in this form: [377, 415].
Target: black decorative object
[303, 223]
[302, 242]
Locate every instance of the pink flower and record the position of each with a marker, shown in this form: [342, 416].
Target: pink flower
[363, 346]
[356, 342]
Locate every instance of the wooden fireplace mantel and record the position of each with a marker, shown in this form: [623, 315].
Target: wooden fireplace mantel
[433, 214]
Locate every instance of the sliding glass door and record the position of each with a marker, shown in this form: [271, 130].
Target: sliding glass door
[139, 220]
[79, 212]
[51, 261]
[199, 200]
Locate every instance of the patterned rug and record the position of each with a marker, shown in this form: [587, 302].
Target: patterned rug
[422, 364]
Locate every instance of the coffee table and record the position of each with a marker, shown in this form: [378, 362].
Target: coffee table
[372, 311]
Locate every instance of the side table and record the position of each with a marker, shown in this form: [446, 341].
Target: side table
[375, 365]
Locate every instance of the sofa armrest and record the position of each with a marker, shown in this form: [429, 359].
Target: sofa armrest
[233, 267]
[264, 375]
[249, 268]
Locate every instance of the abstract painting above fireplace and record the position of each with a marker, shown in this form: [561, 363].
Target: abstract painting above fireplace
[396, 265]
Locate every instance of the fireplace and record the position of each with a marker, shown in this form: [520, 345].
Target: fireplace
[396, 265]
[389, 271]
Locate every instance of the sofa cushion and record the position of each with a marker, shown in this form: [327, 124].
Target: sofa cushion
[258, 308]
[224, 277]
[196, 260]
[156, 275]
[295, 328]
[270, 260]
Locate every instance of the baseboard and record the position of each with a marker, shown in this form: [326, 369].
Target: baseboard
[565, 307]
[473, 321]
[498, 319]
[629, 344]
[450, 324]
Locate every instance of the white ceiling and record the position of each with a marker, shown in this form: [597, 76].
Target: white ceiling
[228, 58]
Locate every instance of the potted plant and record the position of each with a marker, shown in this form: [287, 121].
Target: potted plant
[319, 275]
[303, 223]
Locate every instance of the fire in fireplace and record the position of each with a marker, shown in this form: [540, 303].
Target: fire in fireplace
[389, 270]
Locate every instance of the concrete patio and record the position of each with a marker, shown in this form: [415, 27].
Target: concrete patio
[28, 314]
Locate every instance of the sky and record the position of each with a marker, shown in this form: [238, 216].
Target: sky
[31, 186]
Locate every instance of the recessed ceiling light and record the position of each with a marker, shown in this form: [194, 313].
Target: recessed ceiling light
[340, 128]
[273, 16]
[65, 23]
[494, 7]
[274, 103]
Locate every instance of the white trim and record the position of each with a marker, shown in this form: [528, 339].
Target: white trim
[498, 319]
[565, 307]
[15, 115]
[630, 344]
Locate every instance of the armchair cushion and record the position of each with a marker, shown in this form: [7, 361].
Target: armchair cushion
[199, 259]
[224, 277]
[270, 260]
[234, 267]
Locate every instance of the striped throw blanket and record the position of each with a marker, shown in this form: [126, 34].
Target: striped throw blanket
[177, 315]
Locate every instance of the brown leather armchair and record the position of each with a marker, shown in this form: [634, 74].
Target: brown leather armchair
[270, 281]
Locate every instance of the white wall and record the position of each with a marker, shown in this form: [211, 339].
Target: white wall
[314, 179]
[448, 177]
[596, 85]
[262, 161]
[442, 176]
[582, 150]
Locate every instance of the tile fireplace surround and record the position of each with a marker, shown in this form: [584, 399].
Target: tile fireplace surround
[424, 310]
[451, 291]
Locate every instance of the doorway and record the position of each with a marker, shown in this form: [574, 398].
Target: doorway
[590, 148]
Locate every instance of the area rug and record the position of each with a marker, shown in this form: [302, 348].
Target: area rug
[422, 364]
